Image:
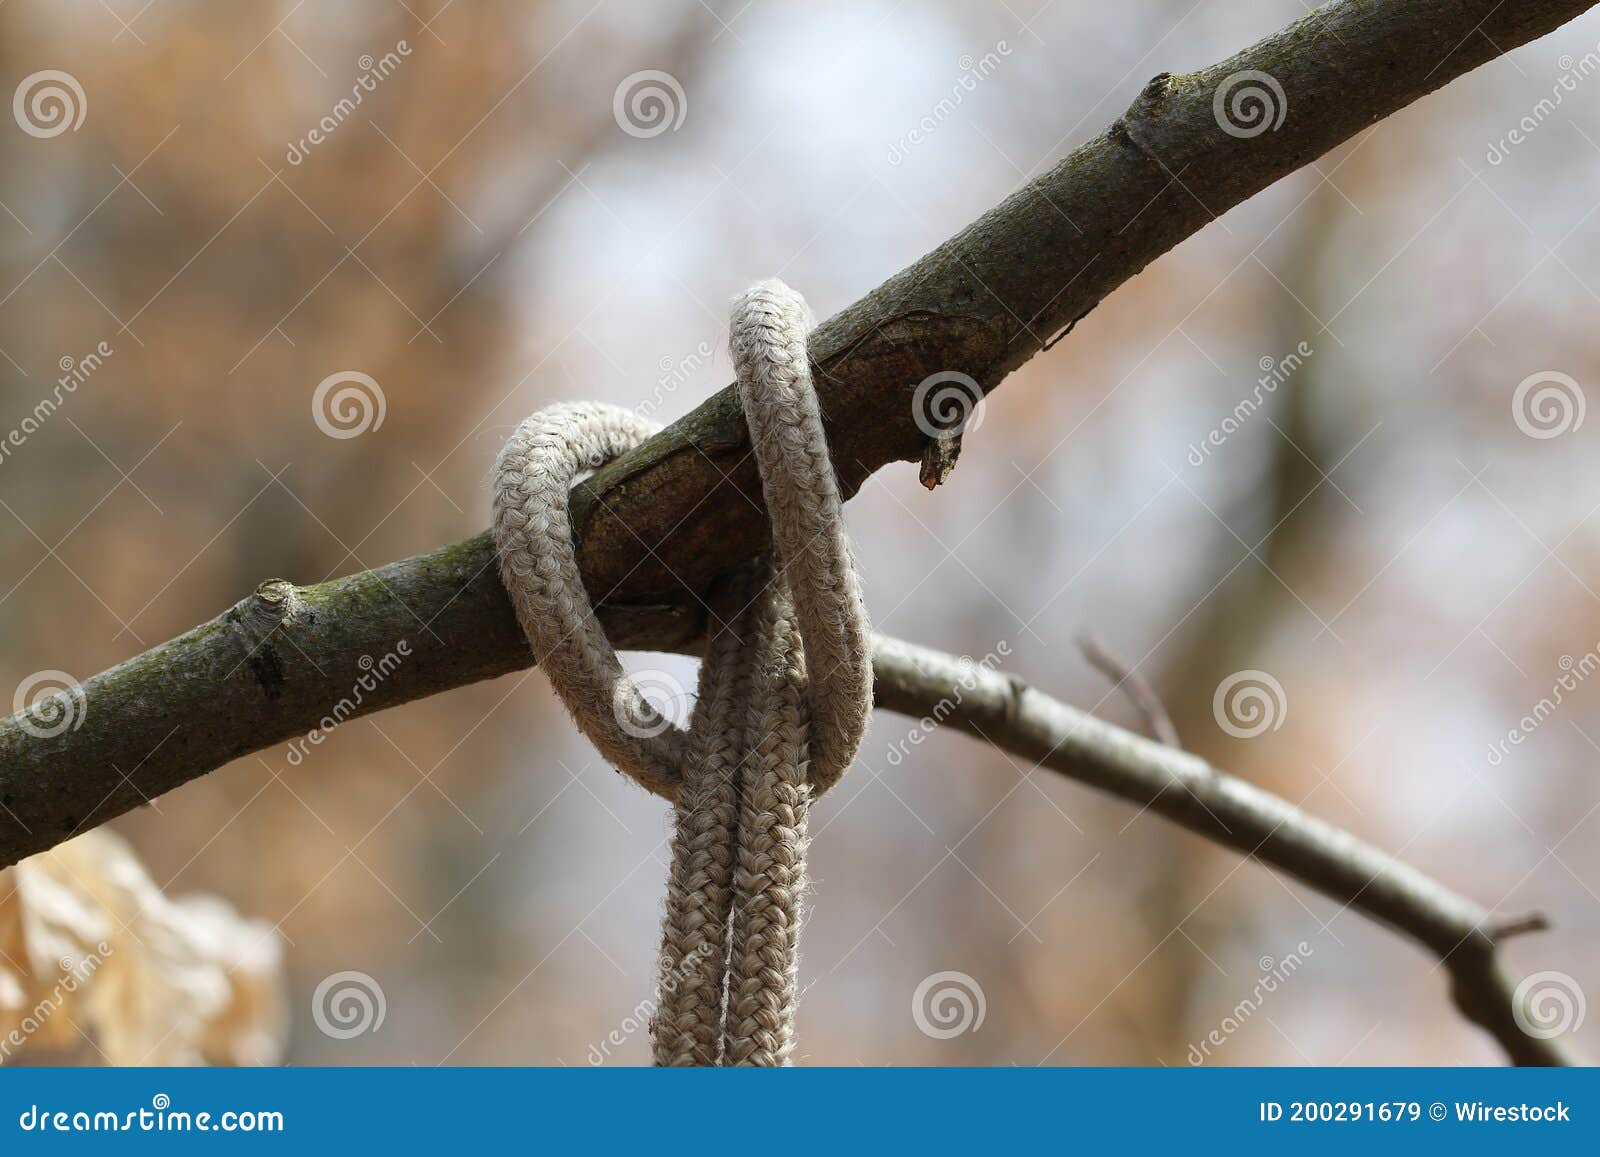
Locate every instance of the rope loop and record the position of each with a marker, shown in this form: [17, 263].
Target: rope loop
[533, 531]
[533, 534]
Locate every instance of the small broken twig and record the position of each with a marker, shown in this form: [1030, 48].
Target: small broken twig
[1139, 692]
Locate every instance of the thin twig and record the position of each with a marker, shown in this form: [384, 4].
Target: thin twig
[1134, 685]
[1003, 710]
[1504, 930]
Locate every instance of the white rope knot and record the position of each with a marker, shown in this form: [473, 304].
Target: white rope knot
[784, 693]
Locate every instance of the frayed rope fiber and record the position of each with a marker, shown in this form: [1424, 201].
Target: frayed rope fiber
[784, 693]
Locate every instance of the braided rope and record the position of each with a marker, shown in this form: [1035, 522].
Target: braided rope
[783, 698]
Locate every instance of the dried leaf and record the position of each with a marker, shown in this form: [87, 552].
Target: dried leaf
[91, 949]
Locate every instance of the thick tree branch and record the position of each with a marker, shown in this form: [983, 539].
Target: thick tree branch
[658, 525]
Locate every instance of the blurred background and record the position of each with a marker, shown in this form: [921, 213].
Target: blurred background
[1400, 539]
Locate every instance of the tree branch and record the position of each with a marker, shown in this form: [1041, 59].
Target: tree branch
[657, 526]
[1002, 710]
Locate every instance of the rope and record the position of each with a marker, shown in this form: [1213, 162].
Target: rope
[784, 692]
